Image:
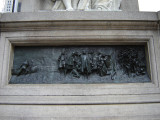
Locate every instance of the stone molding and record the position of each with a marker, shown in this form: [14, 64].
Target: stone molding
[79, 16]
[82, 90]
[78, 25]
[79, 21]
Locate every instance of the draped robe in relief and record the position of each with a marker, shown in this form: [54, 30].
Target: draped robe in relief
[106, 5]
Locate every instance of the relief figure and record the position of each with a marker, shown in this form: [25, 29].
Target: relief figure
[100, 5]
[25, 68]
[71, 5]
[85, 63]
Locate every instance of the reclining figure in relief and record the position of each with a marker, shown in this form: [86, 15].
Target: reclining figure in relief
[100, 5]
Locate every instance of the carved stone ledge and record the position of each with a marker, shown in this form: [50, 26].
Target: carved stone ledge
[79, 15]
[79, 20]
[78, 25]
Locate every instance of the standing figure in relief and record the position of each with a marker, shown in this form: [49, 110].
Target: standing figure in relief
[68, 4]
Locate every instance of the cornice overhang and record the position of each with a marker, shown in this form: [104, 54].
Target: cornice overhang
[79, 20]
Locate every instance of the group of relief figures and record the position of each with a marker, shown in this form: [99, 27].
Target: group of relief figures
[84, 63]
[129, 60]
[72, 5]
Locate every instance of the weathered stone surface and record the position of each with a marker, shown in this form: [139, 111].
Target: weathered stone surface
[79, 20]
[30, 5]
[129, 5]
[79, 15]
[80, 100]
[116, 112]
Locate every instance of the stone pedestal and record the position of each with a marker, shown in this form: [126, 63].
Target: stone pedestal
[127, 101]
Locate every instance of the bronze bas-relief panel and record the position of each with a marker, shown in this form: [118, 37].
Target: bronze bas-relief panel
[79, 65]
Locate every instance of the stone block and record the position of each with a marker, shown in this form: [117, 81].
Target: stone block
[31, 5]
[122, 112]
[80, 15]
[129, 5]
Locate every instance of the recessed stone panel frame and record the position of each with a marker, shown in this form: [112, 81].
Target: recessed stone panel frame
[78, 93]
